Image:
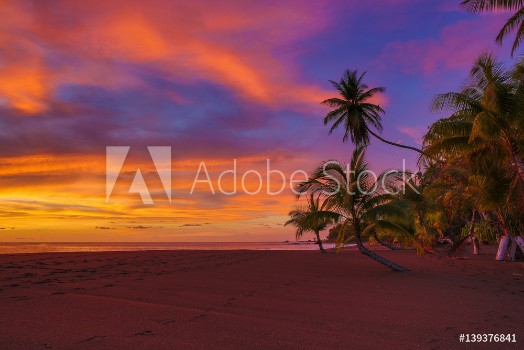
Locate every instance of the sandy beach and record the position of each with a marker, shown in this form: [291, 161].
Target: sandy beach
[254, 299]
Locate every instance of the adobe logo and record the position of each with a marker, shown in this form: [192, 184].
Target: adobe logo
[115, 158]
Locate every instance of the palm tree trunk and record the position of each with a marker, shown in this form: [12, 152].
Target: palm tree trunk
[518, 160]
[503, 246]
[420, 218]
[504, 239]
[374, 256]
[398, 144]
[319, 242]
[493, 220]
[457, 247]
[474, 240]
[503, 226]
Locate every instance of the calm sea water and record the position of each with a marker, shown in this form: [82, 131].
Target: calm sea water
[19, 247]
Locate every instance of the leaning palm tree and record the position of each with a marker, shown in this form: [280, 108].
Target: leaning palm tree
[516, 21]
[355, 112]
[358, 200]
[310, 218]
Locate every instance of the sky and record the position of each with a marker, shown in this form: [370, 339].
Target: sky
[218, 82]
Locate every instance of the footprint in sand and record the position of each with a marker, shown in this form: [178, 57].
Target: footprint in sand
[93, 338]
[230, 301]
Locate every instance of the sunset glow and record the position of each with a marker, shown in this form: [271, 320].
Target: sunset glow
[216, 82]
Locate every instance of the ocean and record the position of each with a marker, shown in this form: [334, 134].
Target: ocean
[49, 247]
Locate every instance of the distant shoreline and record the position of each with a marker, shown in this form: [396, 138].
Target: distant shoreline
[86, 247]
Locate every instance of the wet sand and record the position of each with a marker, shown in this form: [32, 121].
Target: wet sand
[255, 300]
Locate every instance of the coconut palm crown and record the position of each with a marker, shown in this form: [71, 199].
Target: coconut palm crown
[359, 200]
[354, 111]
[310, 218]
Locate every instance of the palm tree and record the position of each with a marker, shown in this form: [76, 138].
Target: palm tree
[480, 143]
[471, 233]
[356, 199]
[310, 218]
[488, 114]
[353, 110]
[516, 21]
[413, 195]
[495, 194]
[484, 139]
[450, 188]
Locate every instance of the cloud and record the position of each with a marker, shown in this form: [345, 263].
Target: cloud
[416, 133]
[101, 44]
[216, 81]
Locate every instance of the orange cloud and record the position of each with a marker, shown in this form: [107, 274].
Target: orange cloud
[103, 44]
[96, 35]
[41, 192]
[23, 85]
[24, 88]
